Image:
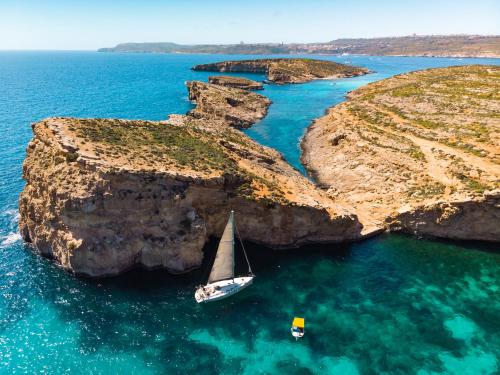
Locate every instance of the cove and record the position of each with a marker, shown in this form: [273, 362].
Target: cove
[392, 304]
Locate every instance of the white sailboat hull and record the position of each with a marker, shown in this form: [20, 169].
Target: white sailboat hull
[222, 289]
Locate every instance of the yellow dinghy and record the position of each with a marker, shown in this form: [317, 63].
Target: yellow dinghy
[298, 327]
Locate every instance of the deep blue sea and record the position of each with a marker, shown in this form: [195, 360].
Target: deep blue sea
[389, 305]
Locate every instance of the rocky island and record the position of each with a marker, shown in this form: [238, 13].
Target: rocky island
[236, 82]
[418, 152]
[235, 106]
[105, 195]
[283, 71]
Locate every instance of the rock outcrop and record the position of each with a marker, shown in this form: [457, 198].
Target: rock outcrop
[104, 195]
[287, 70]
[236, 82]
[477, 218]
[237, 107]
[418, 152]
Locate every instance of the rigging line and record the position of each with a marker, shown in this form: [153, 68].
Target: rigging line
[243, 247]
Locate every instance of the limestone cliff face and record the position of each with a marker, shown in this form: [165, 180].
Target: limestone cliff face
[237, 107]
[418, 152]
[286, 70]
[473, 219]
[103, 196]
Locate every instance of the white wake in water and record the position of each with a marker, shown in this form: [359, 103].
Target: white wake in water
[12, 237]
[9, 239]
[13, 215]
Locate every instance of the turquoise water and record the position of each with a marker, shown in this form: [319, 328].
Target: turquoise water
[392, 304]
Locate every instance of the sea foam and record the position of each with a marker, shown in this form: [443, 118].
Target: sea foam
[9, 240]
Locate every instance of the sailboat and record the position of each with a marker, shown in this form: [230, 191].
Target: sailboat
[221, 282]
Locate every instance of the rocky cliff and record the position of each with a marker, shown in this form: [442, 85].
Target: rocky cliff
[417, 152]
[104, 195]
[475, 218]
[237, 107]
[287, 70]
[236, 82]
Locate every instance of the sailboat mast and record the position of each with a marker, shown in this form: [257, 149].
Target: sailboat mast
[231, 218]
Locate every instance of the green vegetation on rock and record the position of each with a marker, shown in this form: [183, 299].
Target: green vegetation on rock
[186, 146]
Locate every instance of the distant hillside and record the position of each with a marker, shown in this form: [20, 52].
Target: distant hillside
[452, 45]
[233, 49]
[455, 45]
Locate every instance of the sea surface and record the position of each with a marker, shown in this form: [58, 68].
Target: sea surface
[389, 305]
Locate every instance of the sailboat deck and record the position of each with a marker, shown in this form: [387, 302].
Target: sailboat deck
[222, 289]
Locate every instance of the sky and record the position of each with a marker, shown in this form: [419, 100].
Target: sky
[91, 24]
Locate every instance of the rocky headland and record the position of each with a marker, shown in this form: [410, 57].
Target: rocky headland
[105, 195]
[418, 152]
[236, 82]
[235, 106]
[283, 71]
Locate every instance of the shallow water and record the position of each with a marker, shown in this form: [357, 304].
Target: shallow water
[392, 304]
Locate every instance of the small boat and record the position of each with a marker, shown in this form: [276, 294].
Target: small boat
[221, 282]
[297, 328]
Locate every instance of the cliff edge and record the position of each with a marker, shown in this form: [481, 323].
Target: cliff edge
[105, 195]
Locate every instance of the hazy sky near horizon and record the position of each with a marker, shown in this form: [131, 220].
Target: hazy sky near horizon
[90, 24]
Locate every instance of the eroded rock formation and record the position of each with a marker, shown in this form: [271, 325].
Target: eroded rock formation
[103, 196]
[287, 70]
[418, 152]
[236, 82]
[237, 107]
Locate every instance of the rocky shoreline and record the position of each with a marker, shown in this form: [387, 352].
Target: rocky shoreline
[103, 195]
[236, 82]
[236, 106]
[390, 154]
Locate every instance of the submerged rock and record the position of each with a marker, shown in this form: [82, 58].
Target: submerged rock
[287, 70]
[105, 195]
[237, 107]
[236, 82]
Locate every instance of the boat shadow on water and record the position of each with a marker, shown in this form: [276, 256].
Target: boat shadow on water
[264, 261]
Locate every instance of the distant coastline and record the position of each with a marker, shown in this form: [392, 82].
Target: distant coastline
[453, 46]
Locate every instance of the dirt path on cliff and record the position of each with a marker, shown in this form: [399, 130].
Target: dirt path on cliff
[428, 147]
[372, 214]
